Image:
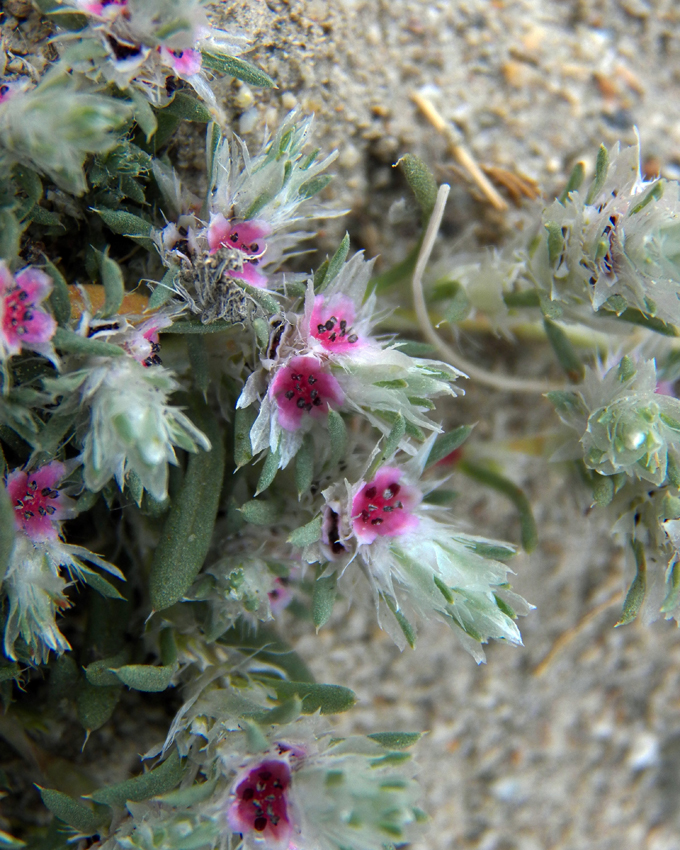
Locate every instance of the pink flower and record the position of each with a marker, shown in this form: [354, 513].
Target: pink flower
[331, 324]
[104, 9]
[261, 804]
[185, 63]
[304, 386]
[248, 237]
[38, 506]
[382, 508]
[143, 341]
[279, 597]
[22, 323]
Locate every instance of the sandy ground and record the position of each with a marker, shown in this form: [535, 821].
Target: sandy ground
[583, 752]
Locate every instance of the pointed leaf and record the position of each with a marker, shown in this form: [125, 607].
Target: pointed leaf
[144, 677]
[448, 443]
[304, 465]
[112, 278]
[307, 534]
[260, 512]
[269, 470]
[638, 588]
[396, 740]
[574, 182]
[59, 297]
[72, 343]
[337, 433]
[73, 812]
[323, 599]
[244, 417]
[158, 781]
[238, 68]
[6, 531]
[335, 264]
[422, 183]
[188, 529]
[96, 705]
[329, 699]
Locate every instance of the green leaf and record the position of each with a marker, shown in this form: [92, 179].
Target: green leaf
[191, 796]
[46, 218]
[244, 417]
[59, 298]
[100, 584]
[9, 672]
[144, 114]
[320, 274]
[144, 677]
[168, 647]
[652, 194]
[564, 351]
[390, 758]
[10, 236]
[459, 307]
[127, 224]
[73, 812]
[262, 298]
[193, 326]
[101, 673]
[188, 529]
[444, 590]
[507, 488]
[395, 436]
[6, 531]
[635, 317]
[329, 699]
[406, 627]
[304, 465]
[269, 470]
[638, 588]
[112, 278]
[551, 309]
[574, 182]
[188, 108]
[673, 470]
[96, 705]
[72, 343]
[448, 443]
[334, 265]
[323, 599]
[307, 534]
[603, 490]
[672, 599]
[163, 290]
[396, 740]
[314, 186]
[158, 781]
[555, 241]
[525, 298]
[238, 68]
[422, 183]
[601, 170]
[199, 362]
[337, 435]
[260, 513]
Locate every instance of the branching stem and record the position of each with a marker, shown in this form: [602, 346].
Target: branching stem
[504, 383]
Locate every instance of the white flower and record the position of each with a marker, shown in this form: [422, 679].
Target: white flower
[132, 427]
[625, 425]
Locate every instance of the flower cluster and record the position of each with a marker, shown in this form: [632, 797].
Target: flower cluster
[414, 560]
[625, 424]
[254, 202]
[35, 583]
[145, 45]
[24, 324]
[324, 358]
